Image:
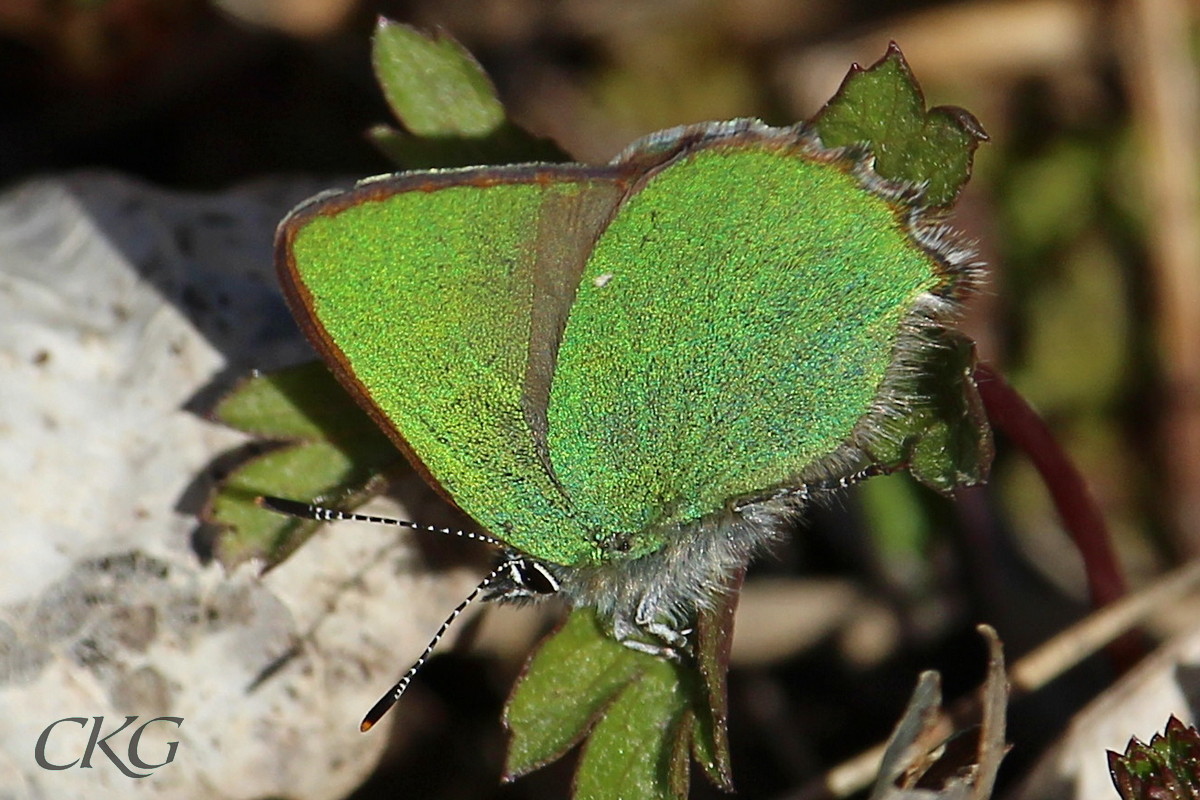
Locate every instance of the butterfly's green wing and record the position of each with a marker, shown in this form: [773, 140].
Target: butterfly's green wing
[575, 353]
[439, 298]
[733, 325]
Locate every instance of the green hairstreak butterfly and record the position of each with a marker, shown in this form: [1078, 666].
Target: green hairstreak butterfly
[633, 375]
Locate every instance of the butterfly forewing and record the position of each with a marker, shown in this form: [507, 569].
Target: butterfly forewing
[438, 299]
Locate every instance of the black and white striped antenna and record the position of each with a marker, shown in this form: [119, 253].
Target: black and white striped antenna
[388, 700]
[293, 508]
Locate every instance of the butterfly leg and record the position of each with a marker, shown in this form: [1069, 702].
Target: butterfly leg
[633, 636]
[671, 643]
[677, 641]
[647, 617]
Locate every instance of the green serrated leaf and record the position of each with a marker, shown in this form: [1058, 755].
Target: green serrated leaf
[956, 447]
[944, 439]
[882, 108]
[567, 683]
[637, 711]
[335, 455]
[447, 105]
[304, 402]
[634, 751]
[318, 472]
[434, 86]
[582, 680]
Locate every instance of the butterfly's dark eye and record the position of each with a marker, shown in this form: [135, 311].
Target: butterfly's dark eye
[536, 578]
[620, 542]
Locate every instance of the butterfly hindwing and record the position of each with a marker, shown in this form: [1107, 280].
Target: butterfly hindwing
[733, 325]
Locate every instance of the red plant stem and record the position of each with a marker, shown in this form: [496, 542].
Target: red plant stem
[1010, 414]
